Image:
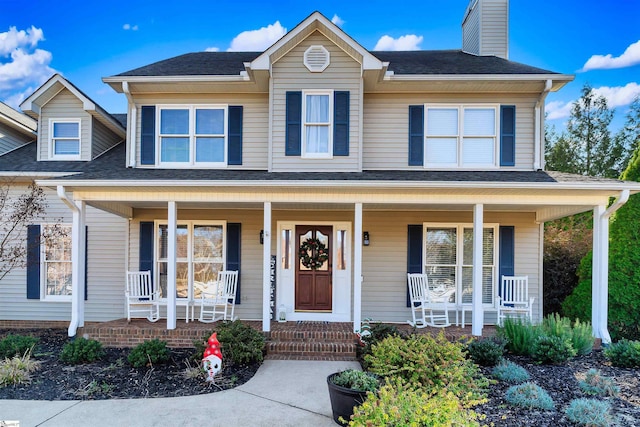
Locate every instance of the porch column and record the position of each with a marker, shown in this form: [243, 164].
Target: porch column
[78, 267]
[172, 225]
[477, 319]
[600, 275]
[266, 269]
[357, 268]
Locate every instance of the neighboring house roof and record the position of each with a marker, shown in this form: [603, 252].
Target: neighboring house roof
[17, 120]
[408, 62]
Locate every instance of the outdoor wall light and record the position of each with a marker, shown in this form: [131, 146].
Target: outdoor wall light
[262, 237]
[365, 238]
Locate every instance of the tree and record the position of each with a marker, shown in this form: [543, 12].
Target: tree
[16, 212]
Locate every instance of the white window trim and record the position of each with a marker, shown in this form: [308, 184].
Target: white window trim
[460, 136]
[460, 255]
[52, 151]
[329, 153]
[192, 135]
[189, 259]
[44, 296]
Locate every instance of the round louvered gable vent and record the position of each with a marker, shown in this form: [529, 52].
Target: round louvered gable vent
[316, 58]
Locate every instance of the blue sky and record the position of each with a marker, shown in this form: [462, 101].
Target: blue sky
[86, 40]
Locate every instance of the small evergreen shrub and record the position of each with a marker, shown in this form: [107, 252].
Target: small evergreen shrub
[148, 353]
[486, 351]
[81, 350]
[582, 337]
[597, 384]
[17, 369]
[519, 334]
[510, 372]
[432, 363]
[579, 333]
[557, 326]
[624, 353]
[240, 344]
[590, 412]
[377, 332]
[400, 404]
[356, 380]
[529, 395]
[16, 345]
[552, 350]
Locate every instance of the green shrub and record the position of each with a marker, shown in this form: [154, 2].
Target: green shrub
[356, 380]
[377, 332]
[16, 345]
[552, 350]
[557, 326]
[486, 351]
[582, 337]
[510, 372]
[17, 369]
[529, 395]
[624, 353]
[398, 404]
[519, 334]
[579, 333]
[433, 363]
[81, 350]
[240, 344]
[590, 412]
[148, 353]
[597, 384]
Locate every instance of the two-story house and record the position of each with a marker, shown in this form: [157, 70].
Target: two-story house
[395, 161]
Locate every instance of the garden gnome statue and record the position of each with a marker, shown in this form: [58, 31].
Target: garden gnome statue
[212, 357]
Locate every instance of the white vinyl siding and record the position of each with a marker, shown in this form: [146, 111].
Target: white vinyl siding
[290, 74]
[103, 138]
[11, 139]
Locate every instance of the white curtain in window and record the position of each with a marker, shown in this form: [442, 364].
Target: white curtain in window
[317, 123]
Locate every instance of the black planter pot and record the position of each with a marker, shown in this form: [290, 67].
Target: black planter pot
[343, 400]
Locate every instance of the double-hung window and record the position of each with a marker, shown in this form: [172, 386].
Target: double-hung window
[192, 135]
[56, 262]
[461, 136]
[317, 131]
[64, 139]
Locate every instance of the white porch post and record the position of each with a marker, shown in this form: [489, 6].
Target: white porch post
[172, 225]
[477, 311]
[77, 267]
[600, 275]
[357, 268]
[266, 269]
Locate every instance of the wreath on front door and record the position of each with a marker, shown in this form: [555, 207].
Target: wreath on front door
[313, 253]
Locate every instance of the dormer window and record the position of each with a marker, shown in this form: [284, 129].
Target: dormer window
[65, 139]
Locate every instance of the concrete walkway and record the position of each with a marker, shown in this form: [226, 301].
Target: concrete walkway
[282, 393]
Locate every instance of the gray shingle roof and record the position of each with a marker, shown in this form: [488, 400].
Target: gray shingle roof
[409, 62]
[23, 159]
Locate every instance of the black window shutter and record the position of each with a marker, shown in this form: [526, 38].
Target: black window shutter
[414, 254]
[233, 252]
[506, 252]
[507, 135]
[235, 136]
[416, 135]
[148, 135]
[86, 261]
[341, 123]
[293, 137]
[33, 262]
[146, 246]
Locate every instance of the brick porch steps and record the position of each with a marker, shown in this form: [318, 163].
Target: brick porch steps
[311, 341]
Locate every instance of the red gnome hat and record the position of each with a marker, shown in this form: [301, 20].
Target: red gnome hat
[213, 347]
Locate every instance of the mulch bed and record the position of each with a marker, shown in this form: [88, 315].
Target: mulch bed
[113, 377]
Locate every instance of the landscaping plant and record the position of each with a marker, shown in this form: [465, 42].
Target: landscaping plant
[624, 353]
[17, 369]
[240, 343]
[520, 335]
[149, 353]
[510, 372]
[16, 345]
[549, 349]
[356, 380]
[590, 412]
[377, 332]
[486, 351]
[597, 384]
[81, 350]
[529, 395]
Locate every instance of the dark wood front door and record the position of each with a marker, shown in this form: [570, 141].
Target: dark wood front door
[313, 286]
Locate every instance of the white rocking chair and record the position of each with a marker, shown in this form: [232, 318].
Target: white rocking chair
[141, 298]
[216, 301]
[514, 298]
[423, 306]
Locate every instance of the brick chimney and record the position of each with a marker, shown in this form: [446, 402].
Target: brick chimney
[485, 28]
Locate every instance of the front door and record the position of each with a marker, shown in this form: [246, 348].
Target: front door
[313, 270]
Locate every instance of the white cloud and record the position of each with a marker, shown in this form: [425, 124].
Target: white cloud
[631, 56]
[130, 27]
[212, 49]
[23, 67]
[408, 42]
[257, 40]
[619, 95]
[558, 110]
[337, 20]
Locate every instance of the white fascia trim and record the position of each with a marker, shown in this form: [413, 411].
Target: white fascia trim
[21, 174]
[242, 77]
[480, 77]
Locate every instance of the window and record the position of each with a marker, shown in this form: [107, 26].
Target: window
[200, 256]
[448, 260]
[56, 262]
[65, 139]
[192, 135]
[460, 135]
[317, 127]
